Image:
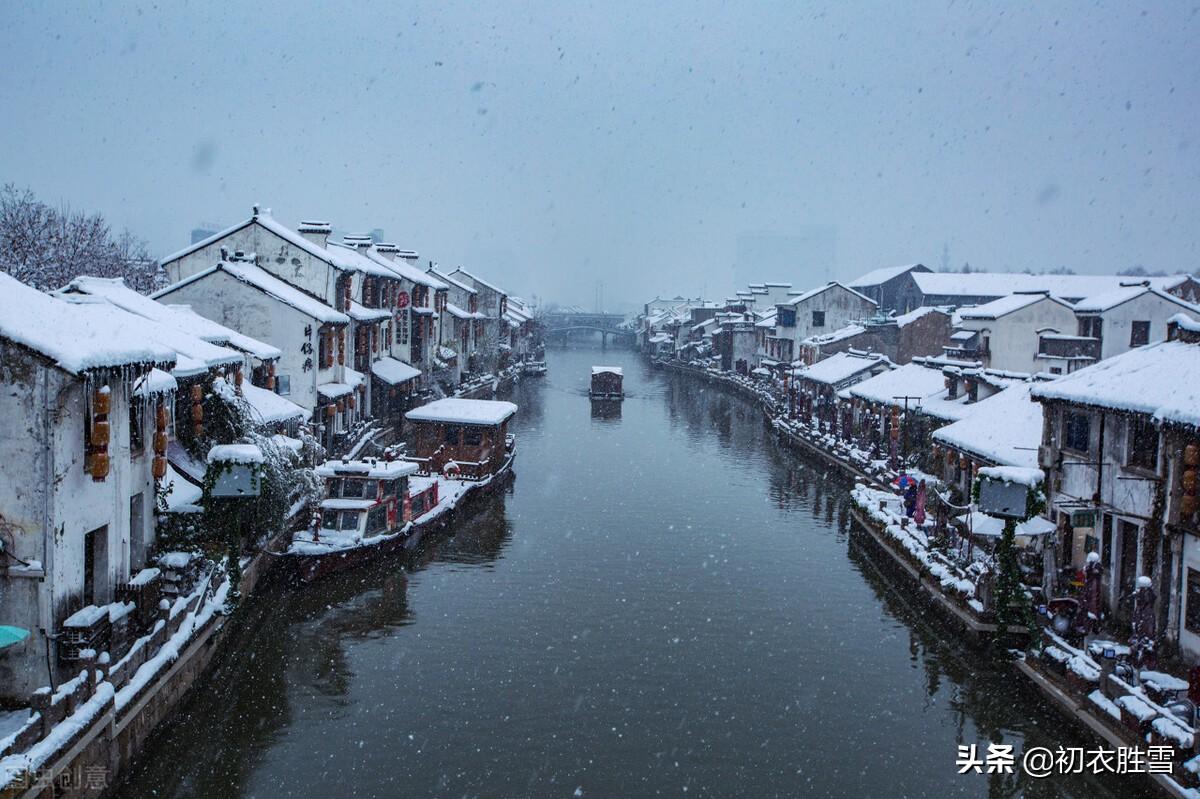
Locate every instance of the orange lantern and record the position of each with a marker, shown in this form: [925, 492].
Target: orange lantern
[160, 443]
[98, 465]
[1191, 455]
[159, 467]
[197, 393]
[101, 400]
[330, 410]
[197, 413]
[1187, 506]
[160, 417]
[100, 432]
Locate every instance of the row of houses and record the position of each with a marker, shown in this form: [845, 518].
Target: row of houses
[108, 397]
[1115, 428]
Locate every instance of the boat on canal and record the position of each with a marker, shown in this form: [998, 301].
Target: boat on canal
[371, 507]
[607, 383]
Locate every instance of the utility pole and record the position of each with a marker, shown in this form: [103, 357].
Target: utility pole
[904, 424]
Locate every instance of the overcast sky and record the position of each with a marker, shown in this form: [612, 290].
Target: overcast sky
[651, 146]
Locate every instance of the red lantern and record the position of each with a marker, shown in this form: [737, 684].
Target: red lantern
[159, 467]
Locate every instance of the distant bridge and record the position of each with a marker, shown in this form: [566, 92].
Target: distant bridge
[561, 324]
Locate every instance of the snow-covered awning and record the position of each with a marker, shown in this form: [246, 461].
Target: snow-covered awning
[268, 407]
[393, 371]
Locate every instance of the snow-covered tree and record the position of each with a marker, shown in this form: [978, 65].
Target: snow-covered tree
[46, 247]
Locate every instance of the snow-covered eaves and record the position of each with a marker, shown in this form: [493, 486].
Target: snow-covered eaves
[1004, 429]
[77, 337]
[883, 275]
[1107, 300]
[459, 313]
[267, 407]
[179, 317]
[393, 371]
[360, 313]
[1010, 303]
[1158, 380]
[351, 259]
[264, 219]
[841, 366]
[455, 410]
[808, 295]
[258, 278]
[477, 281]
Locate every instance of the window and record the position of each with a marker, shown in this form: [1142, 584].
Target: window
[358, 489]
[1139, 334]
[283, 384]
[786, 317]
[1141, 444]
[377, 520]
[818, 319]
[325, 353]
[1077, 432]
[473, 436]
[1090, 326]
[1056, 370]
[1191, 618]
[137, 412]
[451, 434]
[340, 519]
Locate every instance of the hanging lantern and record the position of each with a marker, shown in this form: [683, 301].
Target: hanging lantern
[330, 410]
[198, 429]
[949, 457]
[964, 463]
[1189, 481]
[160, 443]
[1191, 455]
[270, 382]
[341, 405]
[1187, 506]
[159, 467]
[101, 401]
[97, 465]
[350, 401]
[100, 432]
[237, 379]
[197, 413]
[197, 393]
[341, 346]
[160, 417]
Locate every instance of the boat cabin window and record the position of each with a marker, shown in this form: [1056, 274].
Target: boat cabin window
[451, 434]
[377, 520]
[354, 488]
[473, 436]
[340, 519]
[394, 488]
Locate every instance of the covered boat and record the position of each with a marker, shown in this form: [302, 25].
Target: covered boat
[607, 382]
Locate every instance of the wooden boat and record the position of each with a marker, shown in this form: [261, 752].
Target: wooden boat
[607, 383]
[374, 507]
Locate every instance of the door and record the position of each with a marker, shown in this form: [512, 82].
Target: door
[137, 533]
[95, 566]
[1128, 574]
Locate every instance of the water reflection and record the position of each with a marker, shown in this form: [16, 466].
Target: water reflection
[667, 600]
[606, 410]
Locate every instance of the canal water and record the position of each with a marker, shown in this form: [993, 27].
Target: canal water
[666, 603]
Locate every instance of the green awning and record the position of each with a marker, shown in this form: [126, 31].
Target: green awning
[11, 635]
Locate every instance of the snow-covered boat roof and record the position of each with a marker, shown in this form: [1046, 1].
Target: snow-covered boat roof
[841, 366]
[1158, 380]
[370, 468]
[78, 337]
[235, 453]
[614, 370]
[268, 407]
[393, 371]
[1005, 428]
[463, 411]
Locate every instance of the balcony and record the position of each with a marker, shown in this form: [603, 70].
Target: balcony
[1070, 348]
[967, 345]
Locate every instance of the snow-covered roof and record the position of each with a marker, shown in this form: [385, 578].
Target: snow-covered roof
[235, 453]
[1008, 304]
[78, 337]
[841, 366]
[1107, 300]
[612, 370]
[477, 281]
[259, 278]
[268, 222]
[807, 295]
[268, 407]
[463, 411]
[1005, 428]
[180, 317]
[842, 333]
[239, 341]
[361, 313]
[392, 370]
[459, 313]
[1000, 284]
[371, 468]
[906, 319]
[453, 281]
[405, 270]
[877, 276]
[156, 381]
[910, 379]
[350, 258]
[1158, 380]
[193, 355]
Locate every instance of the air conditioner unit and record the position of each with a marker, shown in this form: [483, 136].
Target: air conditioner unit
[1046, 456]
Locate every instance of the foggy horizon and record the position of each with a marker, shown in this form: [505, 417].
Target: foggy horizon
[674, 150]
